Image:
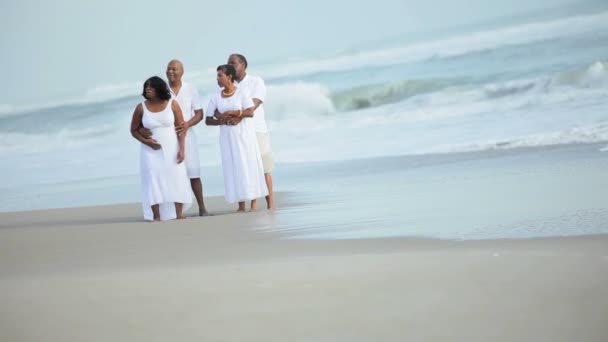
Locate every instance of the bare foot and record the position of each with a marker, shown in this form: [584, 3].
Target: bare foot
[203, 213]
[181, 217]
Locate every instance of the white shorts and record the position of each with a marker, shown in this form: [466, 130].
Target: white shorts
[265, 151]
[193, 165]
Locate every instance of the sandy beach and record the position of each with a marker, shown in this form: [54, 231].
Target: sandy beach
[481, 246]
[100, 274]
[440, 172]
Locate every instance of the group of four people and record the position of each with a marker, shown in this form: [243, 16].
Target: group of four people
[169, 156]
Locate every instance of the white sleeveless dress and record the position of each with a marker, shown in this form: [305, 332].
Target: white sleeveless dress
[241, 160]
[163, 180]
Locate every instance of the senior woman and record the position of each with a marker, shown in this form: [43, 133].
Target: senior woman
[241, 159]
[165, 187]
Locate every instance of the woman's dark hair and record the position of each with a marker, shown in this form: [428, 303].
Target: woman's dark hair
[160, 87]
[228, 70]
[242, 58]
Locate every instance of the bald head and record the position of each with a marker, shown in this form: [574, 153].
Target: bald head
[175, 71]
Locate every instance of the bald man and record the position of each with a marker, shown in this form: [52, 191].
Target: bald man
[187, 96]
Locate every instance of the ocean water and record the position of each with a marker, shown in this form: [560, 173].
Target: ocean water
[524, 82]
[512, 194]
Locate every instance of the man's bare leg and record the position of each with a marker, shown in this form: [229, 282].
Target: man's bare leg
[270, 197]
[241, 207]
[197, 188]
[254, 205]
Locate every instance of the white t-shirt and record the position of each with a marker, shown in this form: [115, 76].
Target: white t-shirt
[254, 86]
[188, 100]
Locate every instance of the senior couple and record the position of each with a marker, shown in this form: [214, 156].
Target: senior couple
[169, 163]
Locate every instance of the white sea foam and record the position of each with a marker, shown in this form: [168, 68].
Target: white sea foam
[574, 135]
[299, 99]
[545, 111]
[61, 139]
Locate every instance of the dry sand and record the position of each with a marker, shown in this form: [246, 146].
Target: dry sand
[101, 274]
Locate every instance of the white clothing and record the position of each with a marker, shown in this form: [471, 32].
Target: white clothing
[188, 99]
[255, 87]
[193, 164]
[265, 151]
[163, 180]
[241, 160]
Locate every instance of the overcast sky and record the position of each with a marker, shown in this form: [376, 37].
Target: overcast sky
[62, 48]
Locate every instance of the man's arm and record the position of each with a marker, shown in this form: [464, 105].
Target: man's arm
[143, 131]
[258, 92]
[212, 108]
[256, 103]
[198, 108]
[211, 121]
[241, 114]
[183, 127]
[181, 138]
[198, 116]
[135, 129]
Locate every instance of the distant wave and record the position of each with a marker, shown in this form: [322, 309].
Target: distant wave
[449, 47]
[594, 75]
[520, 34]
[310, 99]
[95, 95]
[13, 110]
[379, 94]
[307, 100]
[299, 99]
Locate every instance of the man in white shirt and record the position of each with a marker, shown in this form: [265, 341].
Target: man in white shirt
[189, 101]
[255, 87]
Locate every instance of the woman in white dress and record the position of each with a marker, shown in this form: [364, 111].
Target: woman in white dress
[165, 187]
[241, 159]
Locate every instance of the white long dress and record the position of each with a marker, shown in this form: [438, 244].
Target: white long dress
[241, 160]
[163, 180]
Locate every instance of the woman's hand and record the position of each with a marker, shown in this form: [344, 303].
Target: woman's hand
[153, 144]
[222, 116]
[233, 121]
[180, 156]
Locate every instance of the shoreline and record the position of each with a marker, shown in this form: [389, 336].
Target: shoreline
[96, 239]
[212, 180]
